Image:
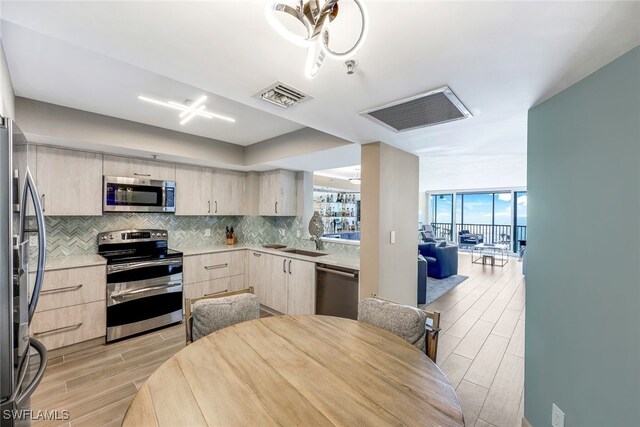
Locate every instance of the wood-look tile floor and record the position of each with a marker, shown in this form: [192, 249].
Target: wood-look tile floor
[481, 351]
[96, 385]
[481, 347]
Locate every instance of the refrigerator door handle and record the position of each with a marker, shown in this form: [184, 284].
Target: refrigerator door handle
[22, 373]
[28, 391]
[31, 191]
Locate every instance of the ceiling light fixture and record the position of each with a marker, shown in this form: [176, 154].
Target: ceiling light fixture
[315, 17]
[189, 110]
[356, 179]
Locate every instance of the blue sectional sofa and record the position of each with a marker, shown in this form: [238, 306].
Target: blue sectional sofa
[442, 261]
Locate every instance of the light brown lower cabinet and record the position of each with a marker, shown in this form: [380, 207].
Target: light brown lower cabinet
[283, 284]
[73, 286]
[71, 307]
[301, 287]
[200, 289]
[70, 325]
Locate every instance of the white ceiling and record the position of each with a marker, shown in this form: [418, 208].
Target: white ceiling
[340, 173]
[500, 58]
[59, 72]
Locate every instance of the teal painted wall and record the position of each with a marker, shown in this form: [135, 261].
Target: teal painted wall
[583, 280]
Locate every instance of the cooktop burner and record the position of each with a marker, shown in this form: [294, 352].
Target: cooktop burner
[135, 245]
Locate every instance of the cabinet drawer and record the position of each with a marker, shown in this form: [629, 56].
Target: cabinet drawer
[200, 268]
[69, 325]
[200, 289]
[64, 288]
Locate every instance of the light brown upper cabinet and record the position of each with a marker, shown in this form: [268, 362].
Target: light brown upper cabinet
[69, 182]
[206, 191]
[278, 193]
[194, 190]
[228, 192]
[138, 168]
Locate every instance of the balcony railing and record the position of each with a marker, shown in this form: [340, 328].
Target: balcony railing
[490, 233]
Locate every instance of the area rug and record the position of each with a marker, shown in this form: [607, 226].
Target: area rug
[438, 287]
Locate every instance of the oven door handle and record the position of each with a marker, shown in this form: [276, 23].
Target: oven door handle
[153, 290]
[116, 268]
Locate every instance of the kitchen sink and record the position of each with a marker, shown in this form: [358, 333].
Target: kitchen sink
[303, 252]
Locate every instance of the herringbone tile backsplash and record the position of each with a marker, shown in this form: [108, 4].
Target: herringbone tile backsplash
[77, 235]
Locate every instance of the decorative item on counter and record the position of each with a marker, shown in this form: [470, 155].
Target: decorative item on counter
[316, 226]
[231, 237]
[316, 229]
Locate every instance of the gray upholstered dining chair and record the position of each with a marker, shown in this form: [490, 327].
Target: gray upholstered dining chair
[211, 313]
[418, 327]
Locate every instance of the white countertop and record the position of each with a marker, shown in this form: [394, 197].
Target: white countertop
[77, 261]
[335, 259]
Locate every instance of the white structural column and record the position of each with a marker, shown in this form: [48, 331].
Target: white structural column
[389, 224]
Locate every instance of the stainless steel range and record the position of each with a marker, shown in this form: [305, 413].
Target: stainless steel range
[144, 281]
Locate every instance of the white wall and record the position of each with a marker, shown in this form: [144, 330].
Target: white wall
[582, 348]
[56, 125]
[7, 98]
[463, 172]
[293, 144]
[389, 203]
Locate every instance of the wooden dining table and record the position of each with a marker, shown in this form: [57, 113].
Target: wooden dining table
[297, 370]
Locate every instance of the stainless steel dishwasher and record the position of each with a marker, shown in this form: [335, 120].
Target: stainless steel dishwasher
[337, 291]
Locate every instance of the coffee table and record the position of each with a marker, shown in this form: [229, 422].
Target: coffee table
[490, 254]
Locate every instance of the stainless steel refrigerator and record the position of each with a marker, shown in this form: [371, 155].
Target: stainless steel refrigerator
[22, 259]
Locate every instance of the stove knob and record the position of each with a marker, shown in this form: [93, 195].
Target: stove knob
[104, 237]
[110, 236]
[164, 234]
[153, 234]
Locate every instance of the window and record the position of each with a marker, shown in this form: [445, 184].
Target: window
[442, 215]
[520, 217]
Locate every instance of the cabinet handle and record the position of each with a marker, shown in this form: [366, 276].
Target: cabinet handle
[257, 254]
[216, 202]
[215, 267]
[209, 203]
[289, 266]
[42, 200]
[284, 266]
[276, 207]
[65, 289]
[52, 331]
[141, 174]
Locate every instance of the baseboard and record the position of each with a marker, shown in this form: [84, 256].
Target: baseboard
[270, 310]
[526, 423]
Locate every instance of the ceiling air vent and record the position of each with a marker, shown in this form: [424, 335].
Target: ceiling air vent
[282, 95]
[427, 109]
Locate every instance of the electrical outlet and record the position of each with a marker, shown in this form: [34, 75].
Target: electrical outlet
[283, 232]
[33, 241]
[298, 233]
[557, 416]
[207, 232]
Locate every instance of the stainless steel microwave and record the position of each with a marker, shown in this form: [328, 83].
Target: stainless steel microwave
[122, 194]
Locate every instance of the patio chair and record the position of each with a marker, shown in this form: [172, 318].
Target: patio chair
[466, 238]
[428, 235]
[505, 239]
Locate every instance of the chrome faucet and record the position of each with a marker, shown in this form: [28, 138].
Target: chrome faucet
[318, 242]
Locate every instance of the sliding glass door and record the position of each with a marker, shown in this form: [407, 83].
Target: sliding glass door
[498, 217]
[442, 215]
[520, 219]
